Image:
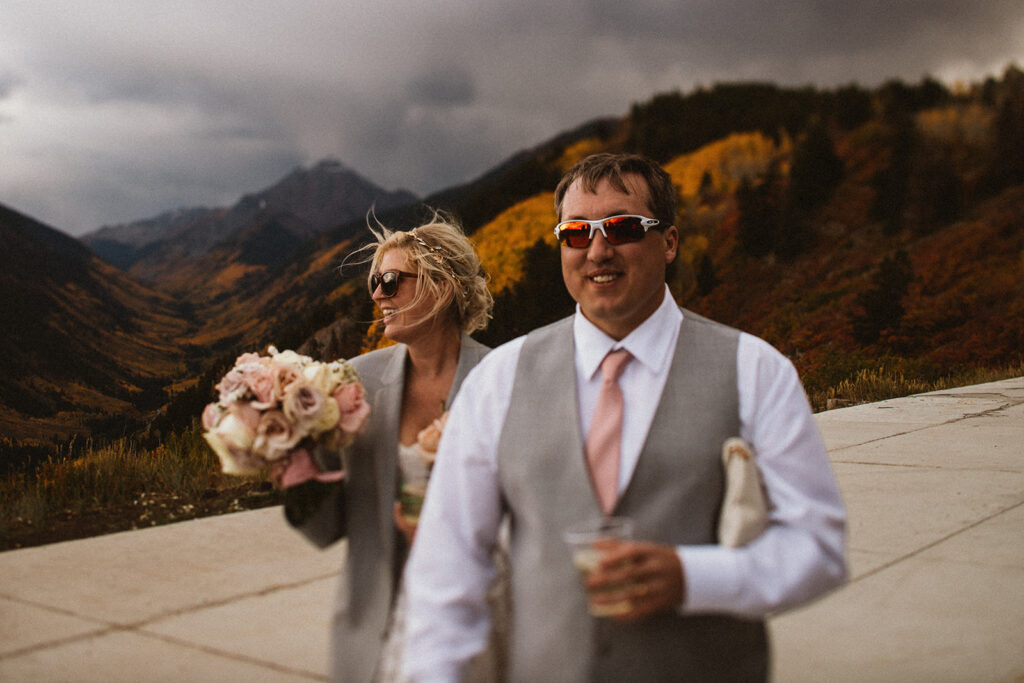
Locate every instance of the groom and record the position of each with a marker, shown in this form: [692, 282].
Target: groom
[515, 445]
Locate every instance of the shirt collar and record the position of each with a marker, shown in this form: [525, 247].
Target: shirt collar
[651, 342]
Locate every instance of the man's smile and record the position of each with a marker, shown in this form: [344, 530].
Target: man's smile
[603, 277]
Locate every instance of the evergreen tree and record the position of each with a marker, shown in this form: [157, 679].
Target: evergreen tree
[881, 305]
[706, 278]
[938, 193]
[851, 107]
[759, 211]
[706, 191]
[891, 184]
[816, 171]
[1008, 164]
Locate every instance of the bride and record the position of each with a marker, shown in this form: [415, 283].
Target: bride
[431, 293]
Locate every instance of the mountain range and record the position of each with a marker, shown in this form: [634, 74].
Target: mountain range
[266, 225]
[84, 342]
[852, 228]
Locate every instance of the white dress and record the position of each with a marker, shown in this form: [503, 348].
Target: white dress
[490, 665]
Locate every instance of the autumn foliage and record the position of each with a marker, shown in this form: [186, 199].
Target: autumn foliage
[859, 231]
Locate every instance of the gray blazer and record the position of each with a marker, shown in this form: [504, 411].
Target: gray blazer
[361, 509]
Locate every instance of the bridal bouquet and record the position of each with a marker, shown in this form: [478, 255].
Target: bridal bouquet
[273, 411]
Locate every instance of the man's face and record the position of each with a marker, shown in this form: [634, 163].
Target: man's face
[617, 287]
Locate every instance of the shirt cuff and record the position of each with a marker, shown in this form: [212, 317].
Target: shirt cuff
[711, 578]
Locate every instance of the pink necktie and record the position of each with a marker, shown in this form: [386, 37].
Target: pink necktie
[604, 442]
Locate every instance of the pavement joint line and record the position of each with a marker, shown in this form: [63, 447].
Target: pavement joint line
[232, 655]
[228, 600]
[936, 542]
[49, 645]
[160, 629]
[174, 613]
[981, 395]
[138, 628]
[966, 416]
[107, 627]
[59, 642]
[59, 610]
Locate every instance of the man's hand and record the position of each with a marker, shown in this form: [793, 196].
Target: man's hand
[649, 576]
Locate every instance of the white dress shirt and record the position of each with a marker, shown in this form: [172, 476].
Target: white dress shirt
[800, 555]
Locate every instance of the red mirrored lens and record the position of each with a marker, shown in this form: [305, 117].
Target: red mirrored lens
[622, 229]
[617, 230]
[575, 235]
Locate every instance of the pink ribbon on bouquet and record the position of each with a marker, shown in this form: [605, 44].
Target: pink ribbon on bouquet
[298, 468]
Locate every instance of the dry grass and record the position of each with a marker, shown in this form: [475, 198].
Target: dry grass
[869, 386]
[85, 490]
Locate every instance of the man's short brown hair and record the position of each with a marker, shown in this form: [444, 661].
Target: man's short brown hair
[612, 167]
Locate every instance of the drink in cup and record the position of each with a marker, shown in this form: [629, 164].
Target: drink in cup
[415, 474]
[581, 538]
[411, 497]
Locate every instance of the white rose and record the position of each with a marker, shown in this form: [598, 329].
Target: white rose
[232, 441]
[321, 378]
[292, 358]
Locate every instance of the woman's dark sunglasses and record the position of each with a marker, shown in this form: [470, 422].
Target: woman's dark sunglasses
[616, 229]
[388, 281]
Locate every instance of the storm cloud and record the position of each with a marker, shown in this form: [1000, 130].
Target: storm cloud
[113, 111]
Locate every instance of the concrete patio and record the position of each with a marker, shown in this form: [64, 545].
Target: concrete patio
[934, 486]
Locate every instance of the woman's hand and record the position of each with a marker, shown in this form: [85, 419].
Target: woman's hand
[407, 528]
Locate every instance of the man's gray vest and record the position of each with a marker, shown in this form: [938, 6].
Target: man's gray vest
[673, 497]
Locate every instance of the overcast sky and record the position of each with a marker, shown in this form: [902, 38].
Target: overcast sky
[117, 111]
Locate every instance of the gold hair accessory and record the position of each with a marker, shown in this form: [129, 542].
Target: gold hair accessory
[440, 257]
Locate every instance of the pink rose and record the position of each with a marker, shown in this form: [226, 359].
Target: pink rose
[275, 436]
[354, 410]
[261, 383]
[211, 415]
[231, 386]
[239, 379]
[309, 411]
[248, 357]
[284, 376]
[429, 439]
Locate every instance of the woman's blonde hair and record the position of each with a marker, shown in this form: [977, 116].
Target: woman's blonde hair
[448, 267]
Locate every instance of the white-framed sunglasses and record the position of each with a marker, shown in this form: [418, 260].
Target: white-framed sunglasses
[623, 229]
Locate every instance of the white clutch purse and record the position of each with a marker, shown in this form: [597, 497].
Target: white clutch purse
[744, 513]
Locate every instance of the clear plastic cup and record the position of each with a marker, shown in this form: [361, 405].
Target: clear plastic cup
[580, 538]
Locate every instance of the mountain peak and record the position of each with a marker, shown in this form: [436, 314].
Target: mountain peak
[331, 165]
[319, 197]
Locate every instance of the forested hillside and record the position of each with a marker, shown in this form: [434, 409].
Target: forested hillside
[855, 229]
